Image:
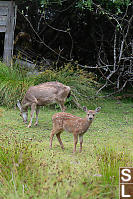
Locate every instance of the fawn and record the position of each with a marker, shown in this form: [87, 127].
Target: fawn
[67, 122]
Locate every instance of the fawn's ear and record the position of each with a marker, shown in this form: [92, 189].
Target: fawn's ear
[85, 108]
[97, 109]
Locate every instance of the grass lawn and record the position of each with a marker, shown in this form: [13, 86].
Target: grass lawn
[30, 170]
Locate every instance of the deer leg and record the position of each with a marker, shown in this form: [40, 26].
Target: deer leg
[33, 108]
[59, 139]
[37, 113]
[81, 142]
[62, 106]
[75, 142]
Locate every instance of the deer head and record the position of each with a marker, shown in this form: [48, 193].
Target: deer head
[90, 113]
[23, 112]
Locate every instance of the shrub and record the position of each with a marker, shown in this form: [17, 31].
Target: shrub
[82, 83]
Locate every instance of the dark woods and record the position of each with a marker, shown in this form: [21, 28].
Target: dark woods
[96, 34]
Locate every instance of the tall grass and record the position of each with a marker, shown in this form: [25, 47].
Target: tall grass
[105, 182]
[19, 171]
[27, 171]
[13, 84]
[109, 160]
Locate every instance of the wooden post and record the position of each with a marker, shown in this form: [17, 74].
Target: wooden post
[7, 25]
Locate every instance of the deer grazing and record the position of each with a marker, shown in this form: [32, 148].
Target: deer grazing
[41, 95]
[67, 122]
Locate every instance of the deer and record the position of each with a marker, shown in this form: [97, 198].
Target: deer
[41, 95]
[63, 121]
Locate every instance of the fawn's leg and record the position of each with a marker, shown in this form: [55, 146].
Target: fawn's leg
[59, 139]
[51, 138]
[53, 132]
[81, 142]
[33, 108]
[75, 142]
[37, 113]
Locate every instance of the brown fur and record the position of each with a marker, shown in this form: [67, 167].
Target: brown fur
[73, 124]
[41, 95]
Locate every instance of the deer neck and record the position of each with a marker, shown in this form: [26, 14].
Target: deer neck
[24, 106]
[86, 124]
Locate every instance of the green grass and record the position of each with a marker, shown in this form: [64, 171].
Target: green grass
[29, 169]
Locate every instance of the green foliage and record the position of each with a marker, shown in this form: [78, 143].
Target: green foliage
[113, 6]
[84, 4]
[13, 84]
[122, 2]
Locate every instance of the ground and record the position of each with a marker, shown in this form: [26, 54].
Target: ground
[29, 169]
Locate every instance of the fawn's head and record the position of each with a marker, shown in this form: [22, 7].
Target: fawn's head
[91, 113]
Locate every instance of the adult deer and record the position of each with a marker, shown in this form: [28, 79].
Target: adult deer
[41, 95]
[73, 124]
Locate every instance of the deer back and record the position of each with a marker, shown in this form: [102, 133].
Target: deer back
[70, 123]
[46, 93]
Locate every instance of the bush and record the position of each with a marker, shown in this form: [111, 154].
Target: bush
[82, 83]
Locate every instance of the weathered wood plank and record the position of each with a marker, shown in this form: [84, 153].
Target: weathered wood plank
[9, 34]
[2, 28]
[3, 20]
[5, 3]
[3, 11]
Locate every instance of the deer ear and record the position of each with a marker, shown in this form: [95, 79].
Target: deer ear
[98, 109]
[85, 108]
[19, 105]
